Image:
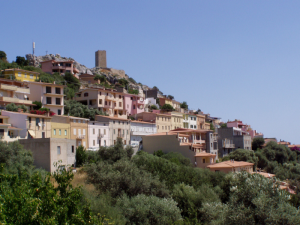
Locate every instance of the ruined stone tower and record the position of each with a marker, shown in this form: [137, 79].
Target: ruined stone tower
[100, 58]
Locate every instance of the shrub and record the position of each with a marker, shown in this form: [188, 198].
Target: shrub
[257, 143]
[123, 177]
[142, 209]
[81, 156]
[37, 106]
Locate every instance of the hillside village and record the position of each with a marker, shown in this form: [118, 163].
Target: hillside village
[141, 116]
[185, 161]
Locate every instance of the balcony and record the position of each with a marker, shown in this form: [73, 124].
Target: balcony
[100, 136]
[15, 100]
[200, 142]
[80, 137]
[226, 145]
[8, 87]
[23, 90]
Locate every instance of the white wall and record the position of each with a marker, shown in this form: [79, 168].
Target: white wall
[17, 120]
[94, 125]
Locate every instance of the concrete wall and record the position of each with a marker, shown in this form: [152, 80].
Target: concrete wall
[166, 143]
[45, 152]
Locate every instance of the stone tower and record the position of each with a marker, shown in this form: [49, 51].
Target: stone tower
[100, 58]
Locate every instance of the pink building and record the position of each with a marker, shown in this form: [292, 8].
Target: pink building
[52, 66]
[244, 127]
[133, 104]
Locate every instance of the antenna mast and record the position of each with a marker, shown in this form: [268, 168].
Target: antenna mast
[33, 47]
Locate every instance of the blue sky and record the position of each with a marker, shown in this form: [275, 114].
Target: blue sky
[232, 59]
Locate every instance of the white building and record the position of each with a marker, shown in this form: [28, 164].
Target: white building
[98, 135]
[139, 129]
[190, 121]
[149, 102]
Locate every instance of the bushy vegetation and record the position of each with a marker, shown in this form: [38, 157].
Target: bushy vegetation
[14, 108]
[28, 195]
[77, 109]
[167, 107]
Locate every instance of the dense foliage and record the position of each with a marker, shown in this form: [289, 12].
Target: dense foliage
[257, 143]
[28, 196]
[14, 108]
[74, 108]
[167, 107]
[184, 105]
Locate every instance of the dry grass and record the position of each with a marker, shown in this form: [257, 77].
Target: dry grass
[78, 180]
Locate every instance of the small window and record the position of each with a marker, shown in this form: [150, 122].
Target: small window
[93, 142]
[57, 101]
[25, 75]
[54, 132]
[65, 132]
[86, 94]
[74, 131]
[114, 131]
[58, 150]
[100, 101]
[37, 121]
[59, 131]
[100, 93]
[48, 89]
[57, 90]
[104, 131]
[31, 76]
[93, 130]
[72, 148]
[203, 160]
[19, 74]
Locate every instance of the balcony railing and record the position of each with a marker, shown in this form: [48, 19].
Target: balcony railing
[226, 145]
[100, 135]
[8, 87]
[199, 142]
[80, 136]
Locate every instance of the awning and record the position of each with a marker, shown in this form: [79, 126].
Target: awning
[32, 134]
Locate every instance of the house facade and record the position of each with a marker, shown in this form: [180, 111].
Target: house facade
[187, 142]
[232, 138]
[20, 75]
[133, 104]
[53, 66]
[79, 130]
[32, 125]
[118, 128]
[14, 92]
[107, 100]
[8, 133]
[139, 129]
[98, 134]
[60, 127]
[50, 95]
[47, 151]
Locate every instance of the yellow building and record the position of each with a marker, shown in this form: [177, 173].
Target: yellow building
[60, 127]
[176, 120]
[20, 75]
[163, 122]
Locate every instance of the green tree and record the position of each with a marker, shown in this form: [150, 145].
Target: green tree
[211, 126]
[81, 156]
[12, 107]
[38, 105]
[3, 56]
[184, 105]
[21, 61]
[170, 97]
[156, 88]
[224, 125]
[123, 82]
[101, 78]
[72, 82]
[142, 209]
[167, 107]
[257, 143]
[244, 155]
[153, 107]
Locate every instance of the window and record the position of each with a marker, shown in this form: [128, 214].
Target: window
[65, 132]
[114, 131]
[192, 126]
[86, 94]
[131, 98]
[169, 127]
[127, 131]
[29, 119]
[72, 148]
[120, 96]
[120, 104]
[59, 131]
[104, 131]
[123, 132]
[100, 101]
[57, 90]
[58, 150]
[74, 121]
[74, 131]
[19, 74]
[84, 144]
[93, 142]
[31, 76]
[54, 132]
[37, 121]
[59, 112]
[162, 127]
[48, 100]
[79, 132]
[104, 142]
[174, 120]
[25, 75]
[48, 89]
[99, 131]
[105, 102]
[83, 131]
[127, 106]
[57, 101]
[203, 160]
